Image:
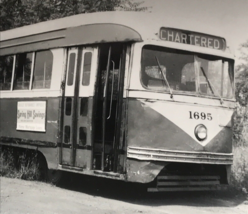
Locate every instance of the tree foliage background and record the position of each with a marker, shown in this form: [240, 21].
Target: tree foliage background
[17, 13]
[241, 115]
[240, 130]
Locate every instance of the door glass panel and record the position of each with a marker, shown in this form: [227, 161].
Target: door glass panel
[84, 107]
[87, 68]
[82, 136]
[68, 106]
[67, 134]
[71, 69]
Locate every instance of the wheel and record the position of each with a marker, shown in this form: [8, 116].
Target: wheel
[42, 167]
[54, 176]
[50, 175]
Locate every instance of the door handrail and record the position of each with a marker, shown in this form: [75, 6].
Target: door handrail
[112, 91]
[105, 98]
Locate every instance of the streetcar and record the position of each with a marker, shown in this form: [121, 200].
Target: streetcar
[122, 95]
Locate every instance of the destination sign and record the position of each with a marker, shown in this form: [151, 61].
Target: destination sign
[192, 38]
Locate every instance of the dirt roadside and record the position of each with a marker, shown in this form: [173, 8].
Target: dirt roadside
[19, 196]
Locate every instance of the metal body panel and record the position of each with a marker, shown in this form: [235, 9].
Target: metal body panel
[153, 96]
[98, 173]
[167, 126]
[142, 171]
[8, 121]
[133, 20]
[83, 159]
[51, 154]
[160, 133]
[147, 128]
[66, 152]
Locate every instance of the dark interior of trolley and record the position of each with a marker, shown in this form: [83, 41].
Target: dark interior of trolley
[107, 108]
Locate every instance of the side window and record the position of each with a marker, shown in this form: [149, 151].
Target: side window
[23, 68]
[6, 67]
[227, 82]
[87, 68]
[42, 69]
[71, 68]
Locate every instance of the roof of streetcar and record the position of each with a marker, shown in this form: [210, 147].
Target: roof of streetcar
[146, 26]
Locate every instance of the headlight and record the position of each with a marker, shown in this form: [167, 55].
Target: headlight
[201, 132]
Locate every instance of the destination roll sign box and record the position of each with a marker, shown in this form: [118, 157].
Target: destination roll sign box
[192, 38]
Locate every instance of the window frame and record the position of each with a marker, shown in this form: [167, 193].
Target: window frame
[12, 72]
[31, 80]
[35, 55]
[189, 93]
[83, 70]
[31, 72]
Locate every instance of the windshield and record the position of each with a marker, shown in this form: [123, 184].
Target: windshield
[166, 69]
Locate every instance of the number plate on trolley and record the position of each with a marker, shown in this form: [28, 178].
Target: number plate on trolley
[200, 115]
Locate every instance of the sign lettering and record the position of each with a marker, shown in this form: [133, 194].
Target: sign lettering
[202, 115]
[31, 116]
[192, 38]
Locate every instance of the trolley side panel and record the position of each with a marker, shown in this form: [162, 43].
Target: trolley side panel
[8, 123]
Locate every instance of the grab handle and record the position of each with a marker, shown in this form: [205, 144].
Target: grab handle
[112, 90]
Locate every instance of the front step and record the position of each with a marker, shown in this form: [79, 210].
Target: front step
[187, 183]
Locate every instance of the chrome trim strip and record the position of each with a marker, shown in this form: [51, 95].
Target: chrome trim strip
[34, 93]
[200, 188]
[33, 41]
[153, 96]
[35, 34]
[151, 154]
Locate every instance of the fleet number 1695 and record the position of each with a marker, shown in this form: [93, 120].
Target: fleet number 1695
[200, 115]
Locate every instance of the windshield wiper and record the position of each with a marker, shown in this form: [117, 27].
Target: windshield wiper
[165, 79]
[211, 86]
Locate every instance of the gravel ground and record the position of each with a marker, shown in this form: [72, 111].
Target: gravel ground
[101, 196]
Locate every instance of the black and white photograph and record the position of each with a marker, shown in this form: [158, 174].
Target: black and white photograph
[124, 106]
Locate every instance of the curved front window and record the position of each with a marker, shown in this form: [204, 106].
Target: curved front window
[165, 69]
